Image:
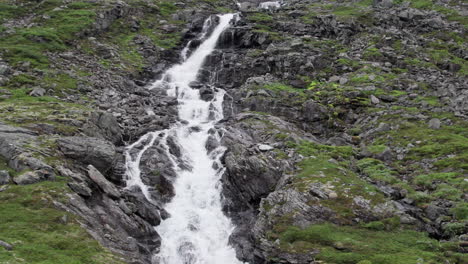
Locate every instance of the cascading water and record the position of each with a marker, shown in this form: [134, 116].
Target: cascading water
[197, 231]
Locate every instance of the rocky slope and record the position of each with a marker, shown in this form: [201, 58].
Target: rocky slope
[345, 125]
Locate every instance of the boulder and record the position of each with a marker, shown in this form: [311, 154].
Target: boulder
[37, 92]
[103, 125]
[263, 147]
[434, 123]
[80, 188]
[374, 99]
[31, 177]
[97, 152]
[206, 94]
[106, 186]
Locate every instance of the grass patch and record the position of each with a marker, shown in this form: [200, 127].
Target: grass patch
[364, 244]
[53, 34]
[23, 110]
[377, 171]
[42, 234]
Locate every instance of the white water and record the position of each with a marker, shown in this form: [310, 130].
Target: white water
[197, 231]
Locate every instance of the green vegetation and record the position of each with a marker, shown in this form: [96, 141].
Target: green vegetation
[259, 17]
[372, 53]
[364, 245]
[22, 109]
[42, 234]
[329, 165]
[30, 44]
[377, 171]
[451, 14]
[359, 10]
[460, 211]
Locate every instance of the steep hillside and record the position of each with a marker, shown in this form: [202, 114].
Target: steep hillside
[345, 126]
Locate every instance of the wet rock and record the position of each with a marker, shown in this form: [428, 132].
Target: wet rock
[206, 93]
[4, 177]
[211, 143]
[147, 210]
[106, 186]
[97, 152]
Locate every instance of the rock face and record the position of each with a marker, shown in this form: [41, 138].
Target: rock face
[106, 187]
[104, 125]
[343, 114]
[31, 177]
[97, 152]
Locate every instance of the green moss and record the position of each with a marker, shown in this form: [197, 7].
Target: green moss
[21, 80]
[377, 171]
[60, 82]
[167, 8]
[460, 211]
[433, 143]
[308, 148]
[362, 244]
[42, 234]
[23, 110]
[388, 224]
[260, 17]
[372, 53]
[348, 62]
[454, 178]
[452, 229]
[328, 165]
[30, 44]
[376, 149]
[449, 192]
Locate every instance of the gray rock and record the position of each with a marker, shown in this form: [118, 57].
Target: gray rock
[434, 123]
[4, 69]
[103, 125]
[264, 148]
[37, 92]
[343, 80]
[314, 111]
[80, 188]
[29, 177]
[334, 79]
[433, 211]
[106, 186]
[4, 177]
[374, 99]
[206, 93]
[97, 152]
[383, 3]
[5, 245]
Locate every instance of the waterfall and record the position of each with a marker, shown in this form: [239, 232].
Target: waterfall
[197, 231]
